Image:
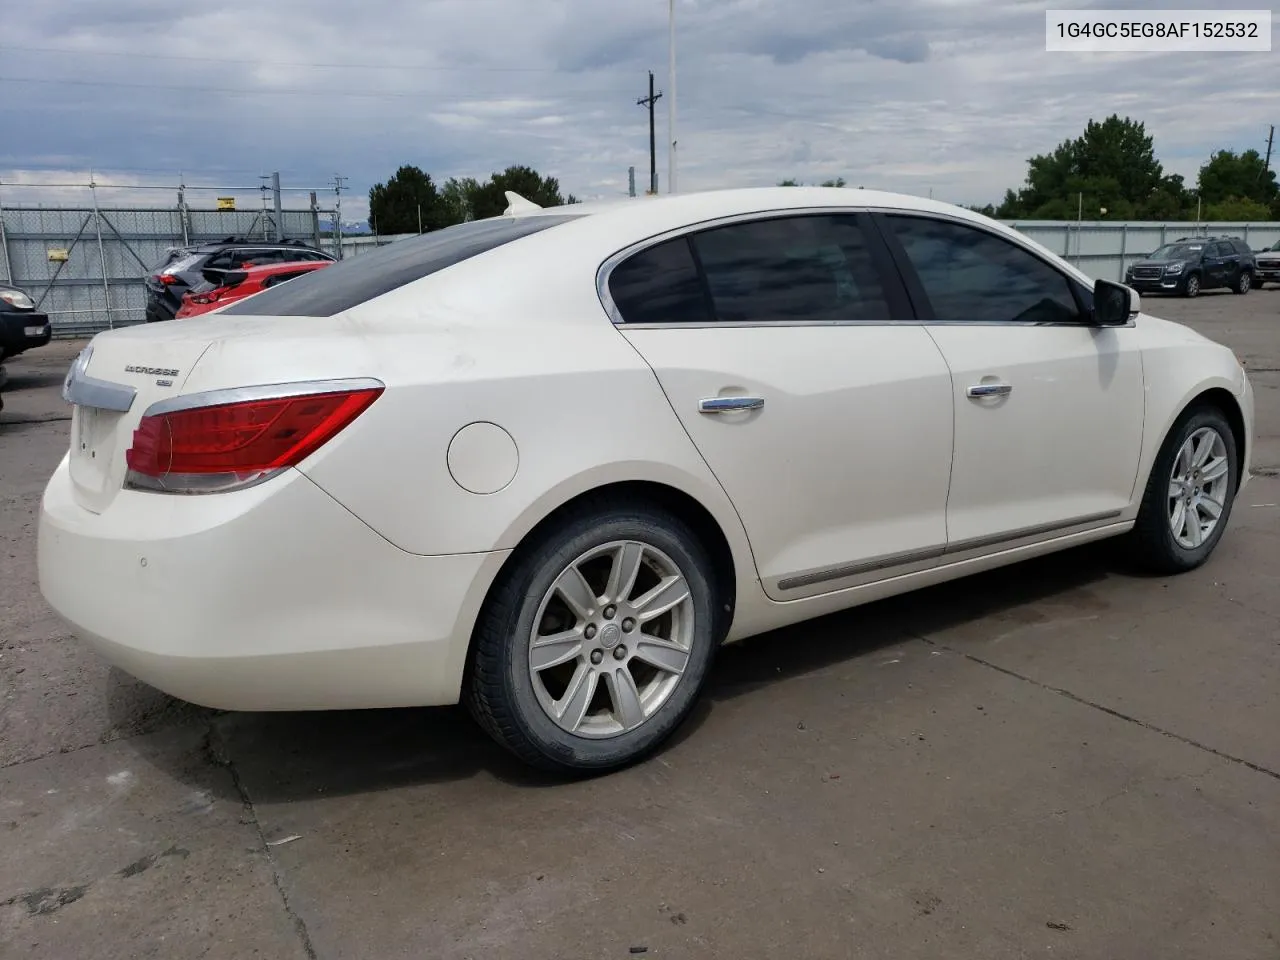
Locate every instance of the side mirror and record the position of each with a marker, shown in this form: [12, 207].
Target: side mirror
[1114, 304]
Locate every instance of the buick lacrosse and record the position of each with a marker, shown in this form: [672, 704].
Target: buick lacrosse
[546, 463]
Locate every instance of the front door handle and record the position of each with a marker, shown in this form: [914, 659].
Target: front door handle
[980, 390]
[729, 404]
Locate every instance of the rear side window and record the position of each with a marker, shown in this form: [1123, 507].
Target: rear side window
[660, 285]
[349, 283]
[809, 269]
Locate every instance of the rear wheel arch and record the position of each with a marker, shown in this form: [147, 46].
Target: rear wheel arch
[654, 494]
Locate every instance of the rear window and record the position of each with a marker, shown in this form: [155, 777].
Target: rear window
[349, 283]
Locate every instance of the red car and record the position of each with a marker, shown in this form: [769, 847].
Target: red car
[222, 287]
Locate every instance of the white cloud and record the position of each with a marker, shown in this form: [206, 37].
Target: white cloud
[948, 96]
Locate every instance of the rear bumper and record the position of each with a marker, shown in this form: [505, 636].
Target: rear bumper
[21, 330]
[271, 598]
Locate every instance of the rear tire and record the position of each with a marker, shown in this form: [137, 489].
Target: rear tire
[597, 681]
[1172, 533]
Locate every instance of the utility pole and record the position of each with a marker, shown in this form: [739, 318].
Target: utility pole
[650, 101]
[275, 190]
[1266, 166]
[262, 191]
[337, 211]
[631, 181]
[671, 99]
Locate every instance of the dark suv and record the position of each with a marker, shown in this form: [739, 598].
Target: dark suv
[1192, 264]
[183, 267]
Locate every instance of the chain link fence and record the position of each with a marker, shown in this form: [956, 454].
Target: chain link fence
[86, 266]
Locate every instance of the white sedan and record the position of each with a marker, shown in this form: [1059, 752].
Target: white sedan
[546, 463]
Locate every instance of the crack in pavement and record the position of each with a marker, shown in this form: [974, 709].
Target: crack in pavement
[216, 753]
[1257, 767]
[19, 423]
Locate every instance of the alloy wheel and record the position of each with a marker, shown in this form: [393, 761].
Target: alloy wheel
[1198, 487]
[611, 639]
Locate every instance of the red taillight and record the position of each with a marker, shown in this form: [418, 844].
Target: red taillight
[168, 279]
[230, 445]
[210, 296]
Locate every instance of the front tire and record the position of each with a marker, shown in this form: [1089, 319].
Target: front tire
[1243, 282]
[593, 647]
[1192, 286]
[1189, 495]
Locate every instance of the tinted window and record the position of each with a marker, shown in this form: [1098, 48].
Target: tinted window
[970, 275]
[660, 285]
[348, 283]
[1178, 251]
[812, 268]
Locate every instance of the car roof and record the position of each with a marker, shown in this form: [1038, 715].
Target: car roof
[687, 208]
[209, 246]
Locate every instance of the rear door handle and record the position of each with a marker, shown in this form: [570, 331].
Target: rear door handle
[729, 404]
[981, 390]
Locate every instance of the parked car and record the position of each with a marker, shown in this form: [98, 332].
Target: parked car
[22, 327]
[183, 268]
[1268, 265]
[222, 287]
[1192, 264]
[546, 463]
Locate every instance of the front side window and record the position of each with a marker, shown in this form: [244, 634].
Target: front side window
[973, 276]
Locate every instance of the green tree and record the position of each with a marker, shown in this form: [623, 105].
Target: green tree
[488, 199]
[789, 182]
[1229, 175]
[394, 206]
[1112, 163]
[1170, 200]
[1243, 209]
[456, 197]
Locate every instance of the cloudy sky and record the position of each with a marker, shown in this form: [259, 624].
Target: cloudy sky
[941, 96]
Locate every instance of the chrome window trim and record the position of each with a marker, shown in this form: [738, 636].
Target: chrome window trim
[606, 268]
[1018, 240]
[266, 391]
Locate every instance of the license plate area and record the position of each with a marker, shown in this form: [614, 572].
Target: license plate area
[94, 449]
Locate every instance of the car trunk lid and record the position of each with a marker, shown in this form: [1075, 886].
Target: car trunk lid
[110, 390]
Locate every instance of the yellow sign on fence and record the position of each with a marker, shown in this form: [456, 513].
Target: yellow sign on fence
[58, 255]
[226, 203]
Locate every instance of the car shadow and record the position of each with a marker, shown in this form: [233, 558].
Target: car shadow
[285, 757]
